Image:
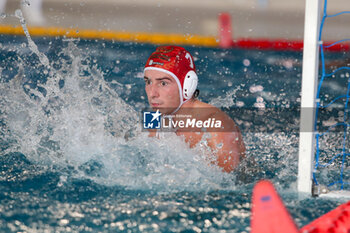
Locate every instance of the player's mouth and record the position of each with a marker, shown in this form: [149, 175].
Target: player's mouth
[155, 104]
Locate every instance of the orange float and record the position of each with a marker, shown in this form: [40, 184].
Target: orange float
[270, 215]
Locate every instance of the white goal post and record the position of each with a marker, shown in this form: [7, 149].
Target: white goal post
[308, 95]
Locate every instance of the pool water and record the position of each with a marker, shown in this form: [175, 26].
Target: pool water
[74, 158]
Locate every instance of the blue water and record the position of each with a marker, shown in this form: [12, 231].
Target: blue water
[73, 157]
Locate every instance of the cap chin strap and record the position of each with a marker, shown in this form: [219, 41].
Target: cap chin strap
[181, 103]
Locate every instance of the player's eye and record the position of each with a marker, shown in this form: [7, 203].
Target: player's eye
[148, 82]
[163, 83]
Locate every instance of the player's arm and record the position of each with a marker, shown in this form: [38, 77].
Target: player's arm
[152, 132]
[227, 145]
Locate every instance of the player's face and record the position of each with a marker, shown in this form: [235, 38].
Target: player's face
[162, 91]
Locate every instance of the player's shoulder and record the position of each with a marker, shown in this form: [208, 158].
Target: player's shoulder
[217, 113]
[214, 112]
[207, 108]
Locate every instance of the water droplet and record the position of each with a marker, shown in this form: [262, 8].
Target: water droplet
[256, 88]
[63, 222]
[25, 3]
[18, 13]
[246, 62]
[239, 103]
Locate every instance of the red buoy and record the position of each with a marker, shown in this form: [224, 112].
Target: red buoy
[270, 215]
[337, 220]
[268, 212]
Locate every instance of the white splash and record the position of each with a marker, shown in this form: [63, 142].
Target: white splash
[74, 123]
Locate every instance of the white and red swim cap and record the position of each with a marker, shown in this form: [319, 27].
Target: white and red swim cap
[177, 62]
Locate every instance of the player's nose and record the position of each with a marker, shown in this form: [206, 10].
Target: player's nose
[153, 90]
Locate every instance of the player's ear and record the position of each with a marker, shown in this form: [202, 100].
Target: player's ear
[196, 93]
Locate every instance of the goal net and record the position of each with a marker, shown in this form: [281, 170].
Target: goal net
[324, 155]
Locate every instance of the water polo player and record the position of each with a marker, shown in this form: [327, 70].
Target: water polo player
[171, 88]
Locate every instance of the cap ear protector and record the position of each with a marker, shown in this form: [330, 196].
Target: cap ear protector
[190, 84]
